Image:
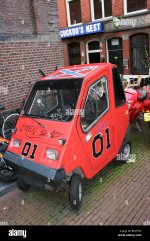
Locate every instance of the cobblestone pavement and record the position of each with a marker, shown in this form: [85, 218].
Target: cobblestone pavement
[118, 195]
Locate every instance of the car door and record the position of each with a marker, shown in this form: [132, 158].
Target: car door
[95, 126]
[121, 113]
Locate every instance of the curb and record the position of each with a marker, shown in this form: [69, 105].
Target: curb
[7, 187]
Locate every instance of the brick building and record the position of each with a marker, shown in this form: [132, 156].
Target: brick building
[116, 31]
[29, 40]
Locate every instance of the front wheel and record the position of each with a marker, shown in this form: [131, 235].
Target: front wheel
[75, 191]
[22, 185]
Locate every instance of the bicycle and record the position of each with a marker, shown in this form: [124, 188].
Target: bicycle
[8, 122]
[7, 174]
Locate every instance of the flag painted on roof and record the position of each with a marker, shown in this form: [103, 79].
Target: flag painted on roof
[73, 72]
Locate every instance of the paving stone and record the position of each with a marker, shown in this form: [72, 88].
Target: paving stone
[122, 198]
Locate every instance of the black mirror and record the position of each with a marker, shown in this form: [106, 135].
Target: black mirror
[2, 107]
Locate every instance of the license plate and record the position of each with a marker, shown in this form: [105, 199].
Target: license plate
[147, 117]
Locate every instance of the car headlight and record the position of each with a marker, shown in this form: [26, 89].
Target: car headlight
[16, 143]
[52, 154]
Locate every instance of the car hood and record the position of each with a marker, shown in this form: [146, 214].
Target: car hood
[45, 131]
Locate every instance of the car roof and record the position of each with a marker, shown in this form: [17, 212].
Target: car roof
[77, 71]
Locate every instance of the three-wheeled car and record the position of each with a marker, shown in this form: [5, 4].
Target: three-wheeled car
[74, 122]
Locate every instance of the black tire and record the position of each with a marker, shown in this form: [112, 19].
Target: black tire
[7, 175]
[75, 191]
[125, 151]
[22, 185]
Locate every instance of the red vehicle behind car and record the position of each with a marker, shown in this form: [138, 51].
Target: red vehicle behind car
[73, 124]
[138, 99]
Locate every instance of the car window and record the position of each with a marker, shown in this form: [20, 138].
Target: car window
[118, 88]
[96, 104]
[54, 99]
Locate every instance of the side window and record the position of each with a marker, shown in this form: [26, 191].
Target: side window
[118, 88]
[96, 104]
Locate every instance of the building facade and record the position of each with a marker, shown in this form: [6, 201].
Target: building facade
[116, 31]
[29, 41]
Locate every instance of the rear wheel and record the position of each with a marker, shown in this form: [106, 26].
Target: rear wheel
[125, 151]
[75, 191]
[22, 185]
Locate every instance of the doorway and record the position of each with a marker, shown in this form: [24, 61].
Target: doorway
[115, 53]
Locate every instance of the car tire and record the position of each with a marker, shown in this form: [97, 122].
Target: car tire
[22, 185]
[75, 192]
[125, 151]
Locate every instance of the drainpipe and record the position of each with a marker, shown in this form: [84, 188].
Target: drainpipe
[33, 14]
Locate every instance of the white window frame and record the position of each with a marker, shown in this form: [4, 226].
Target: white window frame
[134, 12]
[103, 11]
[91, 51]
[68, 14]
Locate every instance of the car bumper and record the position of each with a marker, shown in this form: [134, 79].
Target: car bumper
[35, 174]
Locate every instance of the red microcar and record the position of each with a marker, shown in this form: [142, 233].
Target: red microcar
[74, 122]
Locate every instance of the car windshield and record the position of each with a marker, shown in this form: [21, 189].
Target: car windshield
[54, 99]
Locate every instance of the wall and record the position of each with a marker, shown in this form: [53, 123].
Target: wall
[20, 63]
[117, 9]
[29, 40]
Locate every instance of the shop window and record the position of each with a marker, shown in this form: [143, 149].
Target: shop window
[101, 9]
[74, 53]
[96, 104]
[93, 52]
[139, 49]
[134, 5]
[73, 12]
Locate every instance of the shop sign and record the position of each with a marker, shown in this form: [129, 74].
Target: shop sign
[80, 30]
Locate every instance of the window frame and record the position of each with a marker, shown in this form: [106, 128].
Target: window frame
[134, 12]
[100, 116]
[91, 51]
[103, 12]
[131, 52]
[68, 14]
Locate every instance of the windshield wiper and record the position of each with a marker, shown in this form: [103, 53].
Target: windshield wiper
[40, 124]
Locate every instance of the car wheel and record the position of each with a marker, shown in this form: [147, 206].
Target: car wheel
[22, 185]
[125, 151]
[75, 191]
